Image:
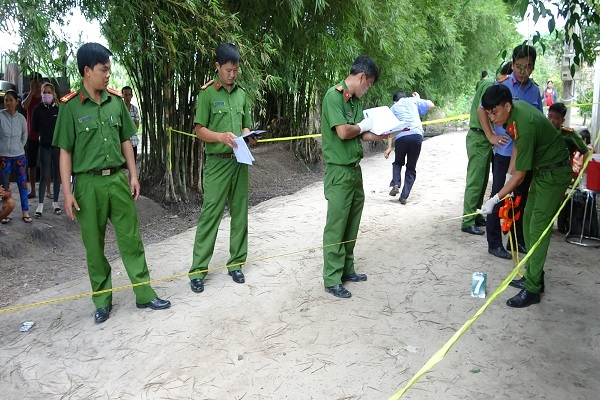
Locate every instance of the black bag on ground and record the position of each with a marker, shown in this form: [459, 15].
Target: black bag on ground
[577, 201]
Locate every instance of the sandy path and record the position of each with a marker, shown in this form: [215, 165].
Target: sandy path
[280, 336]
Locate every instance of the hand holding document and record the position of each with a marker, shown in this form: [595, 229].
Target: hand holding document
[384, 121]
[252, 134]
[242, 152]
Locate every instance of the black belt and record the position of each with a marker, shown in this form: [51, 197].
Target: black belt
[105, 172]
[354, 164]
[554, 165]
[223, 155]
[477, 129]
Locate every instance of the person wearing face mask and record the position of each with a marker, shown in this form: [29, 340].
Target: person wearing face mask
[13, 136]
[43, 121]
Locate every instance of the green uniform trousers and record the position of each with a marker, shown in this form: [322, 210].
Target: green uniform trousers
[224, 178]
[545, 194]
[101, 198]
[345, 196]
[479, 152]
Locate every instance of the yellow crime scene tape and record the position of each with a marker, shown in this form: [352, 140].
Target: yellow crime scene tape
[438, 355]
[441, 353]
[432, 122]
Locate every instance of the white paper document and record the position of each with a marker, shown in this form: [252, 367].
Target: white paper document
[242, 152]
[384, 121]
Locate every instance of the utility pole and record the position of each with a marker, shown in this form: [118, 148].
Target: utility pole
[595, 122]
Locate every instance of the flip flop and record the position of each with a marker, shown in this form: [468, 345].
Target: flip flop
[27, 219]
[6, 220]
[49, 196]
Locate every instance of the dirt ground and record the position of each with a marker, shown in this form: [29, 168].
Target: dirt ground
[49, 252]
[280, 336]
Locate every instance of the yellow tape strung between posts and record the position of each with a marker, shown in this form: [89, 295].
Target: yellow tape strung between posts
[441, 353]
[435, 121]
[168, 278]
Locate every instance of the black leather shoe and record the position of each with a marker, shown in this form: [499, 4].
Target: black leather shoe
[197, 285]
[354, 278]
[156, 304]
[521, 248]
[500, 252]
[520, 283]
[338, 291]
[480, 222]
[523, 299]
[237, 276]
[102, 314]
[473, 230]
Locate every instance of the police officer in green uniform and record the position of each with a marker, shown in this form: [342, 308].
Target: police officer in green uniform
[93, 131]
[538, 147]
[342, 128]
[573, 140]
[480, 141]
[222, 114]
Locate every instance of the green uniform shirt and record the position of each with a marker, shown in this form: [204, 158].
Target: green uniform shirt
[340, 108]
[538, 141]
[573, 140]
[222, 111]
[93, 132]
[481, 87]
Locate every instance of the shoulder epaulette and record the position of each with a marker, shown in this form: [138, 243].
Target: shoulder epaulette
[502, 79]
[207, 84]
[68, 97]
[115, 92]
[567, 129]
[339, 88]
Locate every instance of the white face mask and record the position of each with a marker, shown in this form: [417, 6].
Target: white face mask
[47, 98]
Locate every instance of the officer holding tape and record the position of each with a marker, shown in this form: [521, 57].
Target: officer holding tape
[342, 128]
[93, 131]
[540, 148]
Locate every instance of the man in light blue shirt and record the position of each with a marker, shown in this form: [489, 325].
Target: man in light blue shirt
[522, 88]
[407, 144]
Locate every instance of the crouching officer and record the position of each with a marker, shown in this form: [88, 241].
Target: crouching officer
[93, 131]
[538, 147]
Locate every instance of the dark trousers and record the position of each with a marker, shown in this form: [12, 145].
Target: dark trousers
[407, 150]
[49, 157]
[493, 228]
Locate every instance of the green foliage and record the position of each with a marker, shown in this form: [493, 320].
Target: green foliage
[582, 19]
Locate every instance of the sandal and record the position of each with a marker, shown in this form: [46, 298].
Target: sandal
[27, 219]
[57, 211]
[38, 215]
[6, 220]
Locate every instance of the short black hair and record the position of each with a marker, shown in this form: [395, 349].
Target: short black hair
[12, 93]
[367, 65]
[585, 135]
[227, 52]
[484, 74]
[126, 88]
[559, 108]
[91, 54]
[549, 82]
[495, 96]
[399, 95]
[524, 50]
[506, 69]
[35, 76]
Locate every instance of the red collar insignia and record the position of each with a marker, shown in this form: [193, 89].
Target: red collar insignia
[347, 95]
[512, 130]
[218, 85]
